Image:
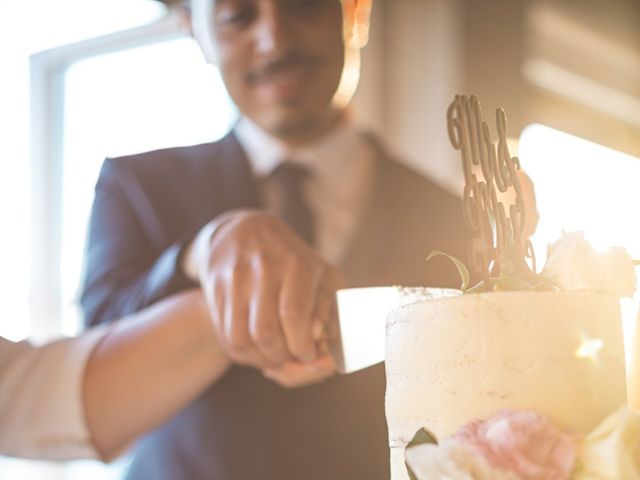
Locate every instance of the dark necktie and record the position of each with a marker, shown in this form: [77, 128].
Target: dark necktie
[289, 200]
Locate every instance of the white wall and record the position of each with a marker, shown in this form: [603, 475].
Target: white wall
[412, 68]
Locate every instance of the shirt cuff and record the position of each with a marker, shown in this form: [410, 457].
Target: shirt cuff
[44, 415]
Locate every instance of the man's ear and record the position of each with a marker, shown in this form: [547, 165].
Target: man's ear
[357, 14]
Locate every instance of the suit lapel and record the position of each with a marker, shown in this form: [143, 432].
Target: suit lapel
[236, 182]
[374, 237]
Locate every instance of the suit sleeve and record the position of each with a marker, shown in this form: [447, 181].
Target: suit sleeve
[124, 274]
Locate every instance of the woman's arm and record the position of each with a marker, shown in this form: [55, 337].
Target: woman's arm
[148, 368]
[98, 392]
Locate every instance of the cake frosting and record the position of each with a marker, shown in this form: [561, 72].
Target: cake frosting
[453, 360]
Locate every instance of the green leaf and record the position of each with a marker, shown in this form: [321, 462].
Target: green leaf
[481, 287]
[460, 266]
[422, 436]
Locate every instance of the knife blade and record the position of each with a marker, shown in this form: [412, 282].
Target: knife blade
[357, 339]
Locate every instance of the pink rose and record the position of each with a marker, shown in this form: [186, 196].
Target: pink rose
[522, 442]
[451, 461]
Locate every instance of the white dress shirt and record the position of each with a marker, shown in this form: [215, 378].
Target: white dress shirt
[41, 407]
[342, 165]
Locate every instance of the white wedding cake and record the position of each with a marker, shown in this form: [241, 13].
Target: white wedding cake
[525, 381]
[450, 361]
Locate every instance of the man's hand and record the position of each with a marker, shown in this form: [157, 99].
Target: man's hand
[530, 205]
[267, 291]
[296, 374]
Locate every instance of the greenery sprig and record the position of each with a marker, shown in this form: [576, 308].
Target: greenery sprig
[421, 437]
[514, 274]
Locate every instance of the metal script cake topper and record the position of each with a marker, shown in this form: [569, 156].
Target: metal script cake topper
[498, 239]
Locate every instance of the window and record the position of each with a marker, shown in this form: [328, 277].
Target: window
[584, 186]
[124, 102]
[27, 27]
[581, 185]
[141, 86]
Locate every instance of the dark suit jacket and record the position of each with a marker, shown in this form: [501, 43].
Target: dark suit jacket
[149, 206]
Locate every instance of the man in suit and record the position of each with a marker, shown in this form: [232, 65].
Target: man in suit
[172, 219]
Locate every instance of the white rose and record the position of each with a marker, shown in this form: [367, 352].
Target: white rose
[574, 265]
[612, 450]
[451, 461]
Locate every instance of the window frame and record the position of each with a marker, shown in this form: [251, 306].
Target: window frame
[47, 70]
[47, 77]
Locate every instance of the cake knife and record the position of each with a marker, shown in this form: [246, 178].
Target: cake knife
[357, 338]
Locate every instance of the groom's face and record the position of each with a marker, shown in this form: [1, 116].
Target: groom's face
[281, 60]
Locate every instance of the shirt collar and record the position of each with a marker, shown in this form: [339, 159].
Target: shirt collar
[333, 151]
[342, 166]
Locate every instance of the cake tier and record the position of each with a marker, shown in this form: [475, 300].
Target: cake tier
[453, 360]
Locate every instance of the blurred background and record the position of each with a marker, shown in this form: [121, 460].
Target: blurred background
[86, 79]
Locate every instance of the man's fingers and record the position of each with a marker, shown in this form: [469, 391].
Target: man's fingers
[269, 281]
[264, 319]
[236, 327]
[321, 315]
[215, 298]
[295, 374]
[325, 312]
[236, 338]
[297, 299]
[530, 204]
